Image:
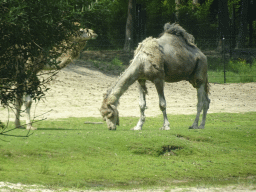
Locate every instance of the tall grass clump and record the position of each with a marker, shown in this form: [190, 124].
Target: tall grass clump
[116, 62]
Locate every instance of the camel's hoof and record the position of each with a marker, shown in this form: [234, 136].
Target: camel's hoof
[19, 127]
[196, 127]
[165, 128]
[31, 128]
[201, 127]
[136, 128]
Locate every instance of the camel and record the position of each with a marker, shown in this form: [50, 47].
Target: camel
[76, 44]
[170, 58]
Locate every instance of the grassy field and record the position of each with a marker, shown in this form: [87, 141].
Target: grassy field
[69, 153]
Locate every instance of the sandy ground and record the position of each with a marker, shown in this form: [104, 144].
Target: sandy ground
[78, 90]
[10, 187]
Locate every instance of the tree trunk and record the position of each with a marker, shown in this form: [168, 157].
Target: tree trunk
[241, 39]
[250, 33]
[177, 2]
[129, 28]
[196, 2]
[224, 28]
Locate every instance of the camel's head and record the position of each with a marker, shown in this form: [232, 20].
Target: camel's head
[86, 34]
[110, 114]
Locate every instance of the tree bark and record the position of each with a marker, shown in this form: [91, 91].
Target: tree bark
[243, 32]
[177, 2]
[224, 28]
[129, 28]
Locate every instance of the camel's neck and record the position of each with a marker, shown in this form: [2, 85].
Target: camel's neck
[130, 75]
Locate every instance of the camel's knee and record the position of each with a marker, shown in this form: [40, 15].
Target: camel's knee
[28, 104]
[142, 105]
[162, 105]
[200, 106]
[28, 101]
[207, 102]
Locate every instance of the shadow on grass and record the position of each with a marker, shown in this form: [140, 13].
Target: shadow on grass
[57, 129]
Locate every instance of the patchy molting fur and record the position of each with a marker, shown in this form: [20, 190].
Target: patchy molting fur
[176, 29]
[172, 57]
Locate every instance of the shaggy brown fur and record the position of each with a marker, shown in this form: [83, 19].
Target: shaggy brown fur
[176, 29]
[153, 53]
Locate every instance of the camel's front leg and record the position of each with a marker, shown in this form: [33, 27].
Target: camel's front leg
[142, 103]
[162, 103]
[18, 104]
[28, 103]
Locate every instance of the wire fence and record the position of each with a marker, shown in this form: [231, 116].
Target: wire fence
[225, 66]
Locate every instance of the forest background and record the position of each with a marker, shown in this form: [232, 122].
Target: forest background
[208, 20]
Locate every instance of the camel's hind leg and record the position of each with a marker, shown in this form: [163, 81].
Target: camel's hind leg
[162, 103]
[142, 103]
[203, 103]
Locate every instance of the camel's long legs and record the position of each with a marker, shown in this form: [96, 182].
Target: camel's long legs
[28, 103]
[162, 103]
[203, 103]
[206, 103]
[142, 103]
[18, 104]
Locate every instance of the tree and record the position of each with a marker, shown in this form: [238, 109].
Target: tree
[243, 32]
[178, 2]
[29, 32]
[223, 18]
[129, 28]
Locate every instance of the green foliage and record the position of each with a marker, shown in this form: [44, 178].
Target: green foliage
[237, 71]
[69, 153]
[107, 19]
[194, 18]
[116, 62]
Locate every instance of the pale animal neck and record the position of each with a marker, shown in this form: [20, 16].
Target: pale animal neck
[130, 75]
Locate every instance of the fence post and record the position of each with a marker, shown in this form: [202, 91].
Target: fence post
[223, 58]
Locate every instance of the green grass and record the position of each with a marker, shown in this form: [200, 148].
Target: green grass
[69, 153]
[236, 71]
[231, 77]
